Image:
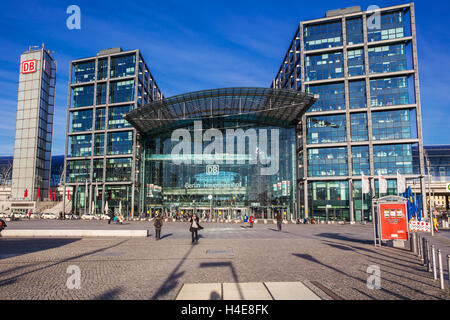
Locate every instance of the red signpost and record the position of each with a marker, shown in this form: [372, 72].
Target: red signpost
[393, 221]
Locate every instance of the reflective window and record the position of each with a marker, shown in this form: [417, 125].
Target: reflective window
[121, 91]
[354, 31]
[393, 125]
[115, 117]
[99, 146]
[80, 146]
[389, 91]
[81, 121]
[324, 66]
[333, 194]
[357, 94]
[332, 96]
[98, 171]
[356, 62]
[326, 129]
[78, 171]
[102, 69]
[360, 160]
[116, 195]
[389, 58]
[327, 162]
[325, 35]
[118, 169]
[392, 27]
[83, 72]
[120, 143]
[358, 123]
[83, 96]
[101, 93]
[123, 66]
[100, 119]
[387, 159]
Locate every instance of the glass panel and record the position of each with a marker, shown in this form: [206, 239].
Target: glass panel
[121, 91]
[81, 121]
[326, 129]
[101, 93]
[324, 66]
[99, 144]
[331, 96]
[333, 194]
[98, 171]
[392, 27]
[325, 35]
[356, 62]
[80, 146]
[120, 143]
[357, 93]
[389, 91]
[123, 66]
[388, 159]
[78, 171]
[83, 72]
[327, 162]
[389, 58]
[115, 117]
[100, 118]
[118, 169]
[359, 131]
[102, 69]
[360, 160]
[83, 96]
[393, 125]
[354, 31]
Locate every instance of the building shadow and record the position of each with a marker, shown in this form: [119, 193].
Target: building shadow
[12, 247]
[225, 264]
[339, 236]
[6, 281]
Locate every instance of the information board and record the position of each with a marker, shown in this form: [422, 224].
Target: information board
[393, 221]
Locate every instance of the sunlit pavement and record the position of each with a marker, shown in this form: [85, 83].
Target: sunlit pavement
[330, 260]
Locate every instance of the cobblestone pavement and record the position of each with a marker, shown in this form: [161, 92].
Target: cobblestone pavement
[331, 258]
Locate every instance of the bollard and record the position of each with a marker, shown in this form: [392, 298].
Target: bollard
[424, 252]
[412, 243]
[419, 247]
[448, 269]
[428, 255]
[441, 271]
[433, 259]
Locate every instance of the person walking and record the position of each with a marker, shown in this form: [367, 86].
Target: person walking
[111, 217]
[195, 226]
[158, 225]
[279, 221]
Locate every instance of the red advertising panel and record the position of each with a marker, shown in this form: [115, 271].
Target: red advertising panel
[28, 66]
[393, 221]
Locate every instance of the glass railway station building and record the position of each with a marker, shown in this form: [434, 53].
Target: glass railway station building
[344, 101]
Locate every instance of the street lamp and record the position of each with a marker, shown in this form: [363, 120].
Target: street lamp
[210, 197]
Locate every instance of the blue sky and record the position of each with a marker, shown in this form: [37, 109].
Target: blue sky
[195, 45]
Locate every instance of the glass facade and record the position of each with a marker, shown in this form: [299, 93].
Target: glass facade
[331, 193]
[390, 58]
[123, 66]
[389, 92]
[115, 117]
[357, 94]
[80, 145]
[325, 35]
[118, 169]
[324, 66]
[83, 72]
[354, 31]
[359, 130]
[83, 96]
[393, 125]
[326, 129]
[327, 162]
[360, 160]
[331, 96]
[388, 159]
[121, 91]
[120, 143]
[234, 180]
[101, 93]
[78, 170]
[81, 121]
[392, 27]
[356, 62]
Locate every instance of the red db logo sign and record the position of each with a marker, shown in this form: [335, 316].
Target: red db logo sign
[29, 66]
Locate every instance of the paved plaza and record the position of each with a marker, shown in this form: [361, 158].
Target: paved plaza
[322, 261]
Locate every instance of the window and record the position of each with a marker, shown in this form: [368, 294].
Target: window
[83, 96]
[324, 66]
[332, 96]
[81, 121]
[389, 91]
[120, 143]
[326, 129]
[121, 91]
[390, 158]
[392, 27]
[99, 144]
[392, 125]
[102, 67]
[98, 171]
[80, 145]
[357, 94]
[354, 31]
[83, 72]
[360, 160]
[115, 117]
[327, 162]
[100, 119]
[118, 169]
[101, 93]
[358, 123]
[78, 171]
[356, 62]
[325, 35]
[123, 66]
[389, 58]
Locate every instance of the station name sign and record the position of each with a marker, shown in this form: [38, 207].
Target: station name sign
[28, 66]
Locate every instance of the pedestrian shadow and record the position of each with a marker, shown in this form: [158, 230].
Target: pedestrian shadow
[108, 295]
[281, 231]
[167, 235]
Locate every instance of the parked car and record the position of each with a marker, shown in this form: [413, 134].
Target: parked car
[87, 217]
[47, 215]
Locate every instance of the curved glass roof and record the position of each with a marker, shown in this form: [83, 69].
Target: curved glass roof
[261, 105]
